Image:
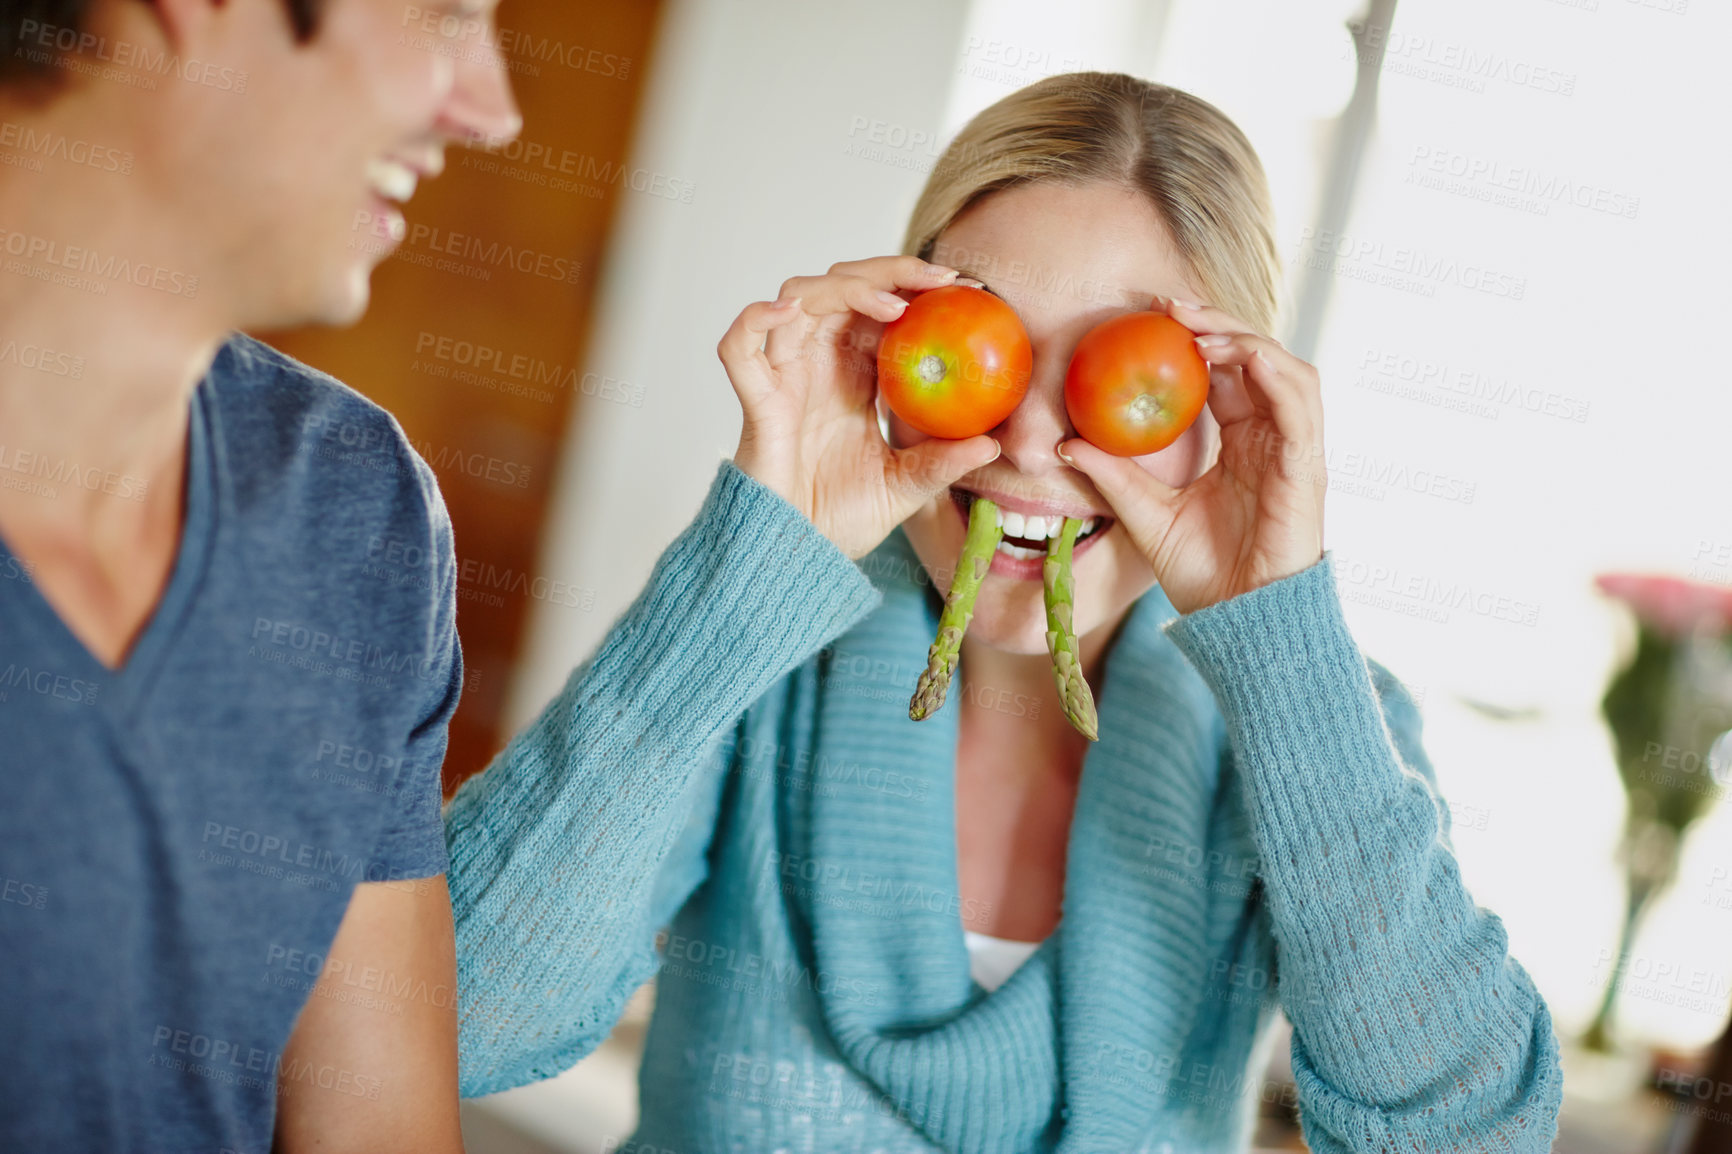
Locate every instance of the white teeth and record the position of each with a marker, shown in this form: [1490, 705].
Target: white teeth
[1036, 526]
[391, 180]
[1019, 552]
[1029, 526]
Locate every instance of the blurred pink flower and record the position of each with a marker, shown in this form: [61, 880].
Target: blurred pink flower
[1671, 606]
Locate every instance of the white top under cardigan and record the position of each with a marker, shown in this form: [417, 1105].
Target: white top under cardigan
[992, 960]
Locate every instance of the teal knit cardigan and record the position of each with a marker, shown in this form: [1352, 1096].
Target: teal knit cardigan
[729, 795]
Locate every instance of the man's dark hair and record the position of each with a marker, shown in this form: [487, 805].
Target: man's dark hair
[23, 58]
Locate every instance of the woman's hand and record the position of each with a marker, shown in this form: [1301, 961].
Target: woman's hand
[1257, 515]
[806, 371]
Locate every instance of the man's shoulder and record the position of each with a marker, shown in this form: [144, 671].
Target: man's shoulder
[292, 434]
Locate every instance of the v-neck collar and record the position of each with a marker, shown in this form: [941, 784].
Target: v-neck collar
[885, 907]
[123, 687]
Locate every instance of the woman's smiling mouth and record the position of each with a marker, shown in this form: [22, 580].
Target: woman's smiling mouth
[1021, 553]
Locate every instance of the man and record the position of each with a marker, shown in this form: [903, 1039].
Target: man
[224, 922]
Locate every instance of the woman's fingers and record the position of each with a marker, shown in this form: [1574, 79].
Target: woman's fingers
[1142, 501]
[824, 296]
[1247, 380]
[830, 303]
[922, 471]
[1268, 374]
[1301, 427]
[869, 287]
[892, 273]
[1229, 398]
[1237, 347]
[1228, 343]
[1202, 318]
[741, 348]
[864, 288]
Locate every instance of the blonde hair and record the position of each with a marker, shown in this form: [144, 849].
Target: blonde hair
[1194, 165]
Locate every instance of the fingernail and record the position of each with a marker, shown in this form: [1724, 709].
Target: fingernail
[1063, 456]
[1179, 304]
[943, 272]
[1211, 340]
[997, 449]
[970, 282]
[892, 300]
[785, 303]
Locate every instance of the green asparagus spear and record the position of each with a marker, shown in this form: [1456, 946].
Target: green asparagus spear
[971, 567]
[1061, 642]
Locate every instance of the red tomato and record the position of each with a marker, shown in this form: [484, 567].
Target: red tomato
[955, 363]
[1135, 384]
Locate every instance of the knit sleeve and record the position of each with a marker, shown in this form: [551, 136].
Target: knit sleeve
[1413, 1028]
[562, 851]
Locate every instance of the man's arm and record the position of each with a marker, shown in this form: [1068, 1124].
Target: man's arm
[372, 1062]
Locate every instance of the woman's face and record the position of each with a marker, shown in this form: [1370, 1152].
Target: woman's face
[1066, 258]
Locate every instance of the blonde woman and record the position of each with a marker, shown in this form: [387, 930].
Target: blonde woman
[964, 934]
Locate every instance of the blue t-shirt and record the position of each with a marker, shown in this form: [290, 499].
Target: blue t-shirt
[180, 839]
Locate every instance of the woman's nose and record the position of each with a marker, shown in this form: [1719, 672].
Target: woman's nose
[1035, 427]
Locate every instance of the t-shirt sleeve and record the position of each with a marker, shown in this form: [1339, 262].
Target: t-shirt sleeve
[412, 844]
